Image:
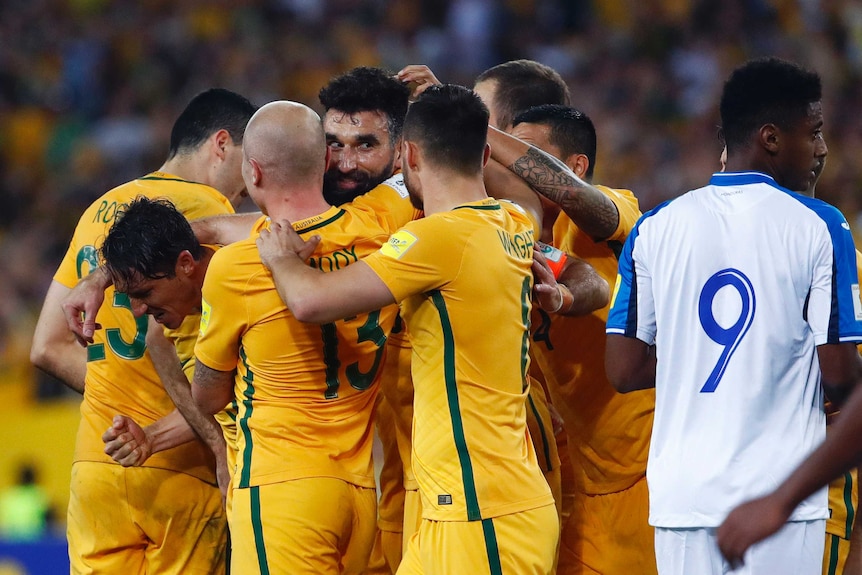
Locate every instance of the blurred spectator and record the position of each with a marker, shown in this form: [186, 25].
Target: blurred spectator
[25, 512]
[88, 87]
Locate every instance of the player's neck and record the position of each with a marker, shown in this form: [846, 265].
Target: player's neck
[202, 264]
[296, 204]
[447, 191]
[192, 167]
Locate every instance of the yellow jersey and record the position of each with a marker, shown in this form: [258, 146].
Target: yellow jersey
[120, 376]
[608, 432]
[396, 384]
[305, 393]
[464, 282]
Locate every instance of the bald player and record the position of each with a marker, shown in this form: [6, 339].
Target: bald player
[304, 498]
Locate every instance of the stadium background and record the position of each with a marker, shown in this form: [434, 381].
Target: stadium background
[89, 89]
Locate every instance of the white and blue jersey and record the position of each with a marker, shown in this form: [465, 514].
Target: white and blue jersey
[735, 283]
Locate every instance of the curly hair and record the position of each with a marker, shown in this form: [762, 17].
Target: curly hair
[365, 89]
[763, 91]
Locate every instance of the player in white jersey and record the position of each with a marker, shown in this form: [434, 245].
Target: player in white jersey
[734, 287]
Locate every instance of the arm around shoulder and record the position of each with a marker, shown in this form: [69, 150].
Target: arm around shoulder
[314, 296]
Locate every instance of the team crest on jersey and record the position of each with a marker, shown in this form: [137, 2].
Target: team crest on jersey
[398, 244]
[206, 312]
[396, 182]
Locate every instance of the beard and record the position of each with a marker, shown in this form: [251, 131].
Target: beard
[340, 188]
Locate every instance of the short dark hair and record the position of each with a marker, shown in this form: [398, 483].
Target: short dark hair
[450, 123]
[366, 89]
[764, 91]
[570, 130]
[522, 84]
[208, 112]
[146, 239]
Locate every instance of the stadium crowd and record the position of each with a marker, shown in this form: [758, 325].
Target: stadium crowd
[89, 89]
[649, 75]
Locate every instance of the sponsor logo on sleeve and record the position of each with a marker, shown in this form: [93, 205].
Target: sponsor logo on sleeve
[396, 182]
[857, 303]
[616, 289]
[206, 312]
[398, 244]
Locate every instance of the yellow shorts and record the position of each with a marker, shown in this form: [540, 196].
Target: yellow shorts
[385, 554]
[835, 554]
[609, 534]
[412, 517]
[843, 500]
[303, 526]
[144, 520]
[497, 545]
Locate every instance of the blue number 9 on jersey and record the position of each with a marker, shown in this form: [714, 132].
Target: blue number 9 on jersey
[731, 336]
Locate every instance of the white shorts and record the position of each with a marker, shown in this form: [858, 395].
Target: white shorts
[797, 549]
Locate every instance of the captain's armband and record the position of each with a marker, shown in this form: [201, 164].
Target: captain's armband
[556, 258]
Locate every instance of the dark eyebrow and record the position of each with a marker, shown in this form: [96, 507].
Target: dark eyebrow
[135, 293]
[361, 138]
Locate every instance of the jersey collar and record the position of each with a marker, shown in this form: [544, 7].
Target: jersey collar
[742, 178]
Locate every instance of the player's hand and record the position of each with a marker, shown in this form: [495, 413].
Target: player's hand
[82, 304]
[126, 442]
[748, 524]
[281, 241]
[557, 420]
[545, 290]
[418, 78]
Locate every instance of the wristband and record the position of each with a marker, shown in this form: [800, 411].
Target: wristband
[566, 299]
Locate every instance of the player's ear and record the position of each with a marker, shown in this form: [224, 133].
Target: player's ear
[579, 163]
[256, 172]
[769, 138]
[411, 154]
[486, 155]
[221, 140]
[396, 158]
[185, 263]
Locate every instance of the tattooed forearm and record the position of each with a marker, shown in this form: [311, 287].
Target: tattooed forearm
[590, 209]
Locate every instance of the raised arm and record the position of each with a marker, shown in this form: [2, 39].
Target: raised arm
[505, 185]
[55, 349]
[586, 205]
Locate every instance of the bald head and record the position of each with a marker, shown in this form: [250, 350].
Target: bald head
[286, 140]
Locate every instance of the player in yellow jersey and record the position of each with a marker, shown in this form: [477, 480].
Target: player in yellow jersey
[506, 89]
[303, 489]
[463, 272]
[364, 111]
[116, 515]
[608, 433]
